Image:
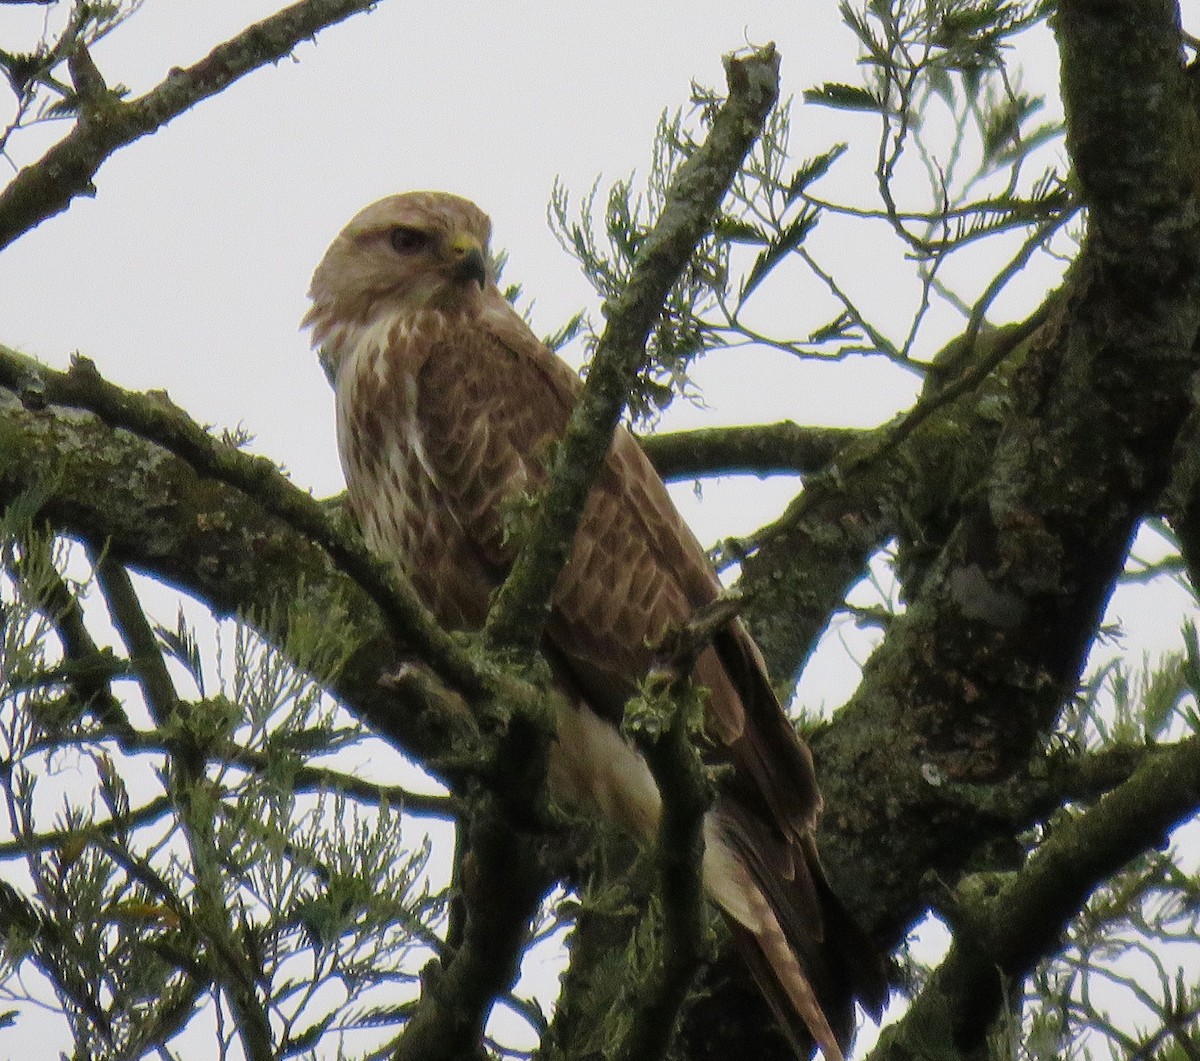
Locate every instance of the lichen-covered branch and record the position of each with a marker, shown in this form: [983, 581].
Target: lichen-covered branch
[32, 388]
[785, 448]
[107, 123]
[693, 199]
[99, 464]
[448, 1020]
[153, 417]
[902, 481]
[999, 939]
[1031, 795]
[996, 634]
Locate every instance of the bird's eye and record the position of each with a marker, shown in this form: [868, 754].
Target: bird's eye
[408, 240]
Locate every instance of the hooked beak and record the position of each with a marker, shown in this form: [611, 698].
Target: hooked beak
[470, 263]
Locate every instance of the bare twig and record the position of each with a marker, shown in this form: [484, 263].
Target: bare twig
[145, 656]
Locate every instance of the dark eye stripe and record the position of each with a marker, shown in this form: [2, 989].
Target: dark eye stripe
[406, 240]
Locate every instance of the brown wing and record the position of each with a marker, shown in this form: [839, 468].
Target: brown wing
[490, 403]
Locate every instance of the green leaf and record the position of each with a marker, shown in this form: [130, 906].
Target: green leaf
[23, 69]
[941, 83]
[735, 230]
[181, 644]
[308, 1037]
[559, 338]
[813, 169]
[1191, 660]
[787, 241]
[838, 328]
[845, 97]
[1164, 688]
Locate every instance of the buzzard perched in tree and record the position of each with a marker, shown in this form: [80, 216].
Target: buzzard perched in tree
[446, 405]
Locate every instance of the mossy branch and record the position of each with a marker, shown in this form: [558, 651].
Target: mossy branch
[678, 854]
[994, 639]
[784, 448]
[798, 569]
[155, 418]
[448, 1020]
[693, 199]
[140, 482]
[502, 883]
[999, 939]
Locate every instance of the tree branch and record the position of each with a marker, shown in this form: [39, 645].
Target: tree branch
[1029, 796]
[998, 940]
[679, 854]
[785, 448]
[995, 637]
[310, 779]
[522, 604]
[502, 884]
[243, 548]
[107, 123]
[890, 482]
[448, 1021]
[145, 656]
[156, 419]
[28, 844]
[37, 400]
[233, 547]
[89, 668]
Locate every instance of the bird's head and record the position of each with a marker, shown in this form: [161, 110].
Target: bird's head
[401, 255]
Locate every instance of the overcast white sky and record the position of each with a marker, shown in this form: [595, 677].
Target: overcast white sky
[188, 270]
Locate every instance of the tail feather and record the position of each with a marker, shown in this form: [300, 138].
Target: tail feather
[788, 993]
[784, 985]
[792, 932]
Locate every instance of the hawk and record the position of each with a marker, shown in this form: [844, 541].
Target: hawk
[446, 406]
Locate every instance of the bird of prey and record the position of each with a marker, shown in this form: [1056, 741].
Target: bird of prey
[446, 407]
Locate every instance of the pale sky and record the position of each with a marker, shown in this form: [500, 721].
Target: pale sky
[189, 269]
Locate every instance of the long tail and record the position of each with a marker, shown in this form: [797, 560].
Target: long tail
[808, 957]
[785, 987]
[802, 948]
